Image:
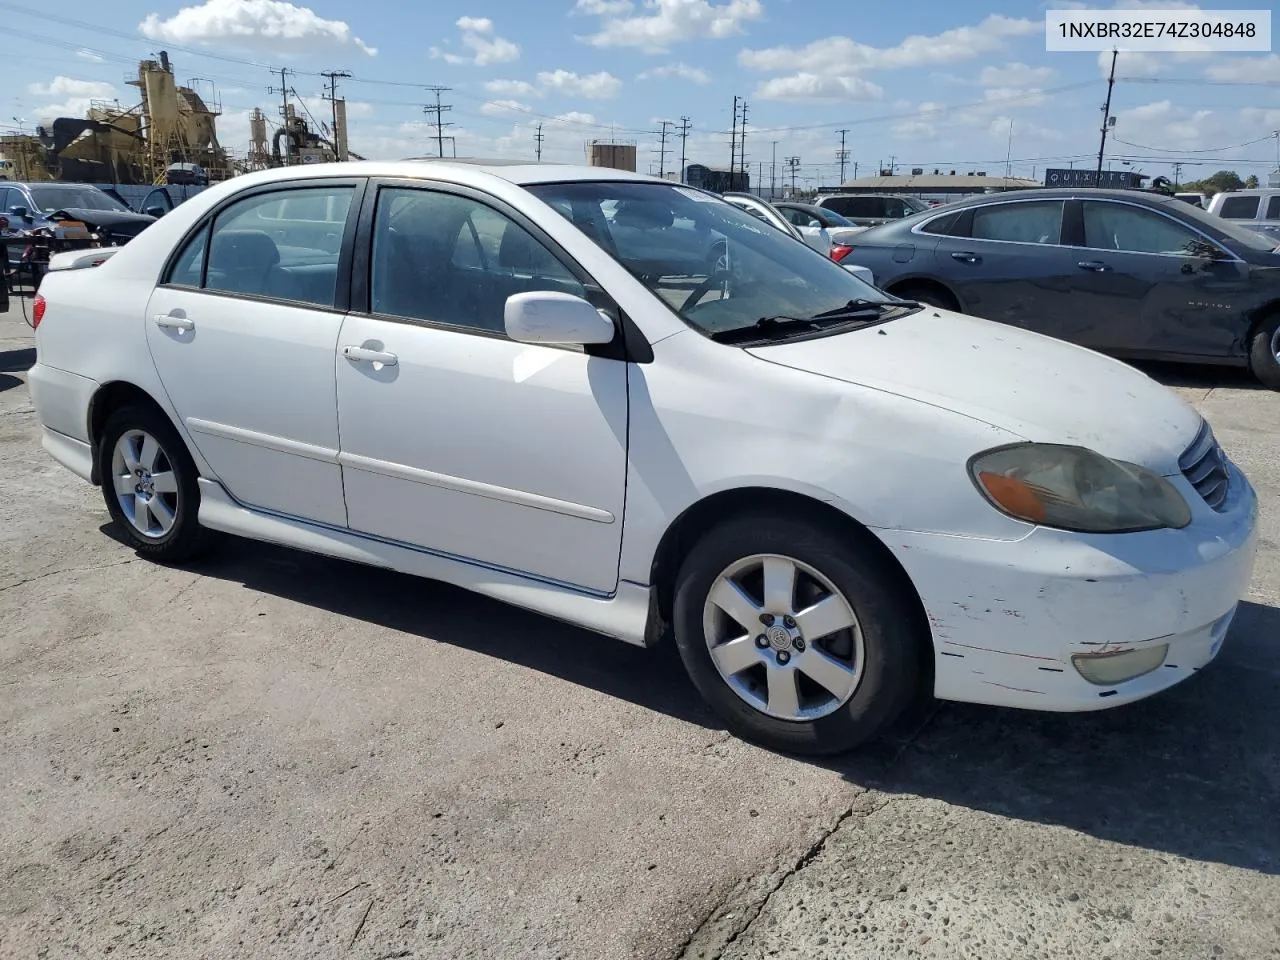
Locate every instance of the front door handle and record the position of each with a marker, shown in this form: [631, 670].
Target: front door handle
[362, 355]
[166, 321]
[966, 257]
[1097, 266]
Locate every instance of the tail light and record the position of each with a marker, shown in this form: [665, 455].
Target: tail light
[840, 250]
[37, 312]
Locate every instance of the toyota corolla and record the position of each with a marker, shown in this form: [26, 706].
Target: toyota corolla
[831, 498]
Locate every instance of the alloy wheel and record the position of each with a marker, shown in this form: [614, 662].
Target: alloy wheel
[145, 484]
[783, 637]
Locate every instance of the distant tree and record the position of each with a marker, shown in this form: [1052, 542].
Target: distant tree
[1221, 181]
[1251, 182]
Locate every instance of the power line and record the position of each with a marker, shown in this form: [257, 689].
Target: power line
[1234, 146]
[439, 110]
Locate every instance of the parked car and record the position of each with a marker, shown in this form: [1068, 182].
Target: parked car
[1258, 204]
[839, 229]
[73, 211]
[1200, 200]
[832, 499]
[871, 209]
[1126, 272]
[813, 233]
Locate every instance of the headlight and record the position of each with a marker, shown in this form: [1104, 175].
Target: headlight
[1074, 488]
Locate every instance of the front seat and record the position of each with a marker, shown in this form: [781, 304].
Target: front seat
[242, 261]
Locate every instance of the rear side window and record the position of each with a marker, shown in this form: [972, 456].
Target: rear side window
[283, 245]
[854, 206]
[949, 225]
[1273, 208]
[1239, 208]
[1032, 222]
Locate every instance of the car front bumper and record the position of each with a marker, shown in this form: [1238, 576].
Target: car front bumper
[1009, 616]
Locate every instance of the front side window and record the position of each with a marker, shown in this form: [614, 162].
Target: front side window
[1031, 222]
[51, 199]
[452, 260]
[1239, 208]
[1273, 208]
[715, 265]
[254, 251]
[1119, 226]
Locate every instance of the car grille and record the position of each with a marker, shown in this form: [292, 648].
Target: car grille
[1204, 465]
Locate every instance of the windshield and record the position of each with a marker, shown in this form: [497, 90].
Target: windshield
[50, 199]
[717, 266]
[829, 218]
[915, 205]
[1240, 234]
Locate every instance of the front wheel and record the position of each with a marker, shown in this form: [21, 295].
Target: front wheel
[797, 638]
[149, 482]
[1264, 352]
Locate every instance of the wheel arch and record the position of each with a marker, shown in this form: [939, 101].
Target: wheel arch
[932, 283]
[715, 508]
[109, 397]
[1260, 315]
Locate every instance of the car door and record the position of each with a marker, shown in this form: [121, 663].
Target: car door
[243, 329]
[1004, 262]
[455, 438]
[1147, 283]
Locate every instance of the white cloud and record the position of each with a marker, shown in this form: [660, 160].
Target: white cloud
[90, 56]
[502, 108]
[1260, 117]
[512, 88]
[264, 25]
[1155, 5]
[484, 45]
[681, 71]
[1129, 64]
[673, 21]
[1247, 68]
[593, 86]
[1015, 75]
[68, 87]
[1166, 125]
[810, 86]
[914, 130]
[576, 116]
[603, 8]
[842, 56]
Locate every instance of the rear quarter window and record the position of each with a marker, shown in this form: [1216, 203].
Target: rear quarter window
[1239, 208]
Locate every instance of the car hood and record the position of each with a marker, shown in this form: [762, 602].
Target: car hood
[1036, 387]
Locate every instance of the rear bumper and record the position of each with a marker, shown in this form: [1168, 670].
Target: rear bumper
[62, 400]
[1009, 616]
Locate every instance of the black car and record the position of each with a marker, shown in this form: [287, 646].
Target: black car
[1125, 272]
[64, 207]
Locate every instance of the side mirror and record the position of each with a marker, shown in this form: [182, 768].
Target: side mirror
[156, 212]
[547, 316]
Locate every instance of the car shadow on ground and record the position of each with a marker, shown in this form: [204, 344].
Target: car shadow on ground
[1192, 772]
[16, 361]
[1193, 376]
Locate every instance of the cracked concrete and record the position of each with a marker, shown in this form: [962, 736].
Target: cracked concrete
[275, 755]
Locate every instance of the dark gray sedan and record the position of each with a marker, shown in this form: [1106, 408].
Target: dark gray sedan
[1128, 273]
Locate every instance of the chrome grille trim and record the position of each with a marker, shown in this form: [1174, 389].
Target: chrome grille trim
[1204, 466]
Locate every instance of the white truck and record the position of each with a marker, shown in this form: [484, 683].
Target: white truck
[1257, 208]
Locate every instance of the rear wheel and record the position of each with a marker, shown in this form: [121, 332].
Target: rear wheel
[929, 295]
[149, 482]
[1264, 352]
[799, 639]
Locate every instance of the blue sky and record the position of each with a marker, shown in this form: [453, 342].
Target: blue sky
[923, 82]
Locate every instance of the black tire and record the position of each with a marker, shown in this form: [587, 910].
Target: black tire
[184, 539]
[929, 296]
[1262, 352]
[890, 626]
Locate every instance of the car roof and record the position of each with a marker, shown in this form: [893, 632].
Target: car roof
[1055, 193]
[518, 172]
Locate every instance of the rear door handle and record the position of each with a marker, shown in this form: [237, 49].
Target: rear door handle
[1097, 266]
[361, 355]
[966, 257]
[167, 321]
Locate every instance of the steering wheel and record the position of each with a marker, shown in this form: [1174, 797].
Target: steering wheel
[717, 274]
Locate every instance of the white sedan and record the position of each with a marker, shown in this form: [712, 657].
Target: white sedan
[831, 498]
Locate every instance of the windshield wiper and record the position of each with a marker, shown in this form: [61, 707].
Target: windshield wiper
[863, 308]
[765, 328]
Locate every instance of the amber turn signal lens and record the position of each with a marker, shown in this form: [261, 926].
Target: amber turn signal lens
[1015, 496]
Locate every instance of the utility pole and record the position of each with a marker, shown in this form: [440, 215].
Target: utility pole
[794, 164]
[773, 173]
[733, 142]
[1177, 174]
[333, 76]
[1106, 118]
[283, 90]
[684, 135]
[537, 139]
[843, 154]
[742, 145]
[439, 110]
[662, 150]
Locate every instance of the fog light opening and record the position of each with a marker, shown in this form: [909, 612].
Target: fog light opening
[1105, 669]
